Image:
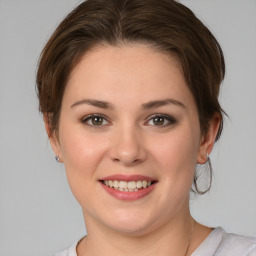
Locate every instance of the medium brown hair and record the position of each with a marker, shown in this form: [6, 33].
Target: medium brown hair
[166, 25]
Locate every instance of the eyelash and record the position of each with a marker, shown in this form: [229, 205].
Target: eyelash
[90, 117]
[167, 118]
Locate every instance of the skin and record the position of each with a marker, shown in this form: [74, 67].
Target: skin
[128, 140]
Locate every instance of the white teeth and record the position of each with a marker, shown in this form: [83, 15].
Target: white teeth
[139, 184]
[116, 184]
[129, 186]
[122, 184]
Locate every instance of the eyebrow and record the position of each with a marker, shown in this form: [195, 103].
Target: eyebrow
[146, 106]
[160, 103]
[95, 103]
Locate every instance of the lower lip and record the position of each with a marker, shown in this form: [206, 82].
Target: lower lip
[128, 196]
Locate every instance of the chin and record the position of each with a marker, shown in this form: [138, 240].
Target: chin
[133, 223]
[131, 228]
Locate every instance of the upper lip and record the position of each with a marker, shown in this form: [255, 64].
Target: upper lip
[122, 177]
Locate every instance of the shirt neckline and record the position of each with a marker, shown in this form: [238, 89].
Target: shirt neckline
[211, 242]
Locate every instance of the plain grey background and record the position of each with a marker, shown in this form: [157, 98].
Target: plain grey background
[38, 214]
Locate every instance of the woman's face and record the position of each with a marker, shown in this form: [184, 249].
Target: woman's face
[128, 119]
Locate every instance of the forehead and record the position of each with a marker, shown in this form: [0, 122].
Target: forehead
[127, 71]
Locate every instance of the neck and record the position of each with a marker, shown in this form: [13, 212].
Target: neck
[169, 239]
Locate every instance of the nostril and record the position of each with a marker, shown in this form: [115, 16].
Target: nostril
[127, 151]
[127, 161]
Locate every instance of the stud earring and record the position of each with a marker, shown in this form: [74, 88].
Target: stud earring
[57, 158]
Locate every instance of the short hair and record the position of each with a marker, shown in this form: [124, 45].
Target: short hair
[165, 25]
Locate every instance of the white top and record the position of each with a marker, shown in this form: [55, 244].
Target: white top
[218, 243]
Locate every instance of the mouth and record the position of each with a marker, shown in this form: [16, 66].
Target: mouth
[128, 187]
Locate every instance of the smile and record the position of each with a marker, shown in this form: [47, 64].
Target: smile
[130, 186]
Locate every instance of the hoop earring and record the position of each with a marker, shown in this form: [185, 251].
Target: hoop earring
[57, 158]
[207, 167]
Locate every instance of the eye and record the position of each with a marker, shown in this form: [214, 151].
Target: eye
[161, 120]
[95, 120]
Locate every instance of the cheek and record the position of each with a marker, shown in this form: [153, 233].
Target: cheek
[176, 153]
[82, 154]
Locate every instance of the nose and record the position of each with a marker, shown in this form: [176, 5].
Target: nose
[128, 147]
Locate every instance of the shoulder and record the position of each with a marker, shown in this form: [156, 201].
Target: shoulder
[63, 253]
[233, 244]
[220, 243]
[70, 252]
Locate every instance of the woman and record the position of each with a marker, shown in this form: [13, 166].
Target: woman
[129, 93]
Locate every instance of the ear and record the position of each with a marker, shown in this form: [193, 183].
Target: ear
[207, 141]
[52, 137]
